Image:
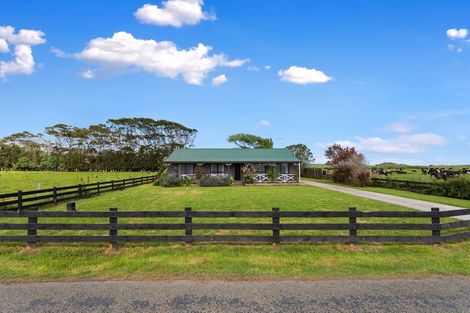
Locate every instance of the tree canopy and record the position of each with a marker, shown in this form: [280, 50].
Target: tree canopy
[302, 152]
[119, 144]
[249, 141]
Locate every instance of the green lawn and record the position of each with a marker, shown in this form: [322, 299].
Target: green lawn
[146, 261]
[407, 194]
[12, 181]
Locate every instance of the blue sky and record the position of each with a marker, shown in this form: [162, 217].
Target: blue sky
[391, 78]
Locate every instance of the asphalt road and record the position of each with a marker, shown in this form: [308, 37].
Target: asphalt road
[399, 295]
[401, 201]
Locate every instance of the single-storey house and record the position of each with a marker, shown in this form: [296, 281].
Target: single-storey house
[267, 164]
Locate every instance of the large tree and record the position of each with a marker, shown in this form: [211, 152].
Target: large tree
[128, 144]
[249, 141]
[303, 153]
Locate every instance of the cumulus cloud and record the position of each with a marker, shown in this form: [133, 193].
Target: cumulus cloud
[454, 33]
[219, 80]
[267, 67]
[264, 123]
[23, 63]
[123, 52]
[174, 13]
[408, 144]
[397, 127]
[302, 75]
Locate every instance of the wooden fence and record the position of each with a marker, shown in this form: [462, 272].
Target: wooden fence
[415, 186]
[276, 222]
[36, 198]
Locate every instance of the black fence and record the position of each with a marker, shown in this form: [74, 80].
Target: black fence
[415, 186]
[276, 223]
[27, 199]
[316, 173]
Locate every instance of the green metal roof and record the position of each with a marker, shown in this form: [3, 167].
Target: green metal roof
[231, 155]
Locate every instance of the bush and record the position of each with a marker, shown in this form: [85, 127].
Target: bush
[24, 164]
[162, 174]
[213, 181]
[172, 181]
[454, 188]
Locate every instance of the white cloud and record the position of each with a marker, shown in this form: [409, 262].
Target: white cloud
[59, 53]
[87, 74]
[124, 52]
[264, 123]
[253, 68]
[397, 127]
[219, 80]
[22, 40]
[174, 13]
[302, 76]
[407, 144]
[267, 67]
[454, 33]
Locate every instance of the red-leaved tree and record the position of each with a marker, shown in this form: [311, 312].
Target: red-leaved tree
[349, 166]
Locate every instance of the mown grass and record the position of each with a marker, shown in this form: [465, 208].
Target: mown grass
[407, 194]
[149, 260]
[12, 181]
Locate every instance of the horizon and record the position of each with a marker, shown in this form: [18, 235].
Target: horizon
[387, 78]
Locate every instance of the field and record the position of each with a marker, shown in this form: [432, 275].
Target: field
[134, 261]
[12, 181]
[413, 173]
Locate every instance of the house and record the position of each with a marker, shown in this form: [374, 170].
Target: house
[267, 165]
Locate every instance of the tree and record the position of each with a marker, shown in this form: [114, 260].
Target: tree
[303, 153]
[249, 141]
[349, 166]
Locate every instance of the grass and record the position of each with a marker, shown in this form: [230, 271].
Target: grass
[413, 173]
[407, 194]
[146, 260]
[12, 181]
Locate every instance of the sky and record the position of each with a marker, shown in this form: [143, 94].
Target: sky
[388, 77]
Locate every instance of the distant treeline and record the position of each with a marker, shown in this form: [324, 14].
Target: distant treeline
[125, 144]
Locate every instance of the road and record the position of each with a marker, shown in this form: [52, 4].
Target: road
[399, 295]
[401, 201]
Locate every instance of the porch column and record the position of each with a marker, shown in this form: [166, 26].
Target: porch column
[300, 179]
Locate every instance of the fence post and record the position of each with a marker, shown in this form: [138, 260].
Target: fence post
[71, 207]
[276, 228]
[32, 229]
[112, 185]
[188, 231]
[80, 191]
[436, 221]
[98, 188]
[352, 223]
[113, 232]
[20, 200]
[54, 195]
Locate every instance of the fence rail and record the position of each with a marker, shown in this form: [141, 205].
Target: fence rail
[36, 198]
[112, 227]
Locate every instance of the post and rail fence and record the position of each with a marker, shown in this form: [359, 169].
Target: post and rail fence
[52, 196]
[353, 229]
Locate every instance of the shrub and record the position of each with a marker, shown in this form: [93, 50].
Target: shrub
[187, 181]
[162, 174]
[171, 181]
[24, 164]
[213, 181]
[454, 188]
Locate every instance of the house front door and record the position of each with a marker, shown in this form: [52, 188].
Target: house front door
[238, 172]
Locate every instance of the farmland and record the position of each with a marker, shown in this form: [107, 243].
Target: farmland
[411, 173]
[93, 261]
[11, 181]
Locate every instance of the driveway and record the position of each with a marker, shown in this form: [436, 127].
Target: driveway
[399, 295]
[401, 201]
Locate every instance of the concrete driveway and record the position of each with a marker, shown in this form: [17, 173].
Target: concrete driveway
[401, 201]
[399, 295]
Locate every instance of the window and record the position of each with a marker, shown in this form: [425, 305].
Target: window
[185, 168]
[283, 168]
[217, 168]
